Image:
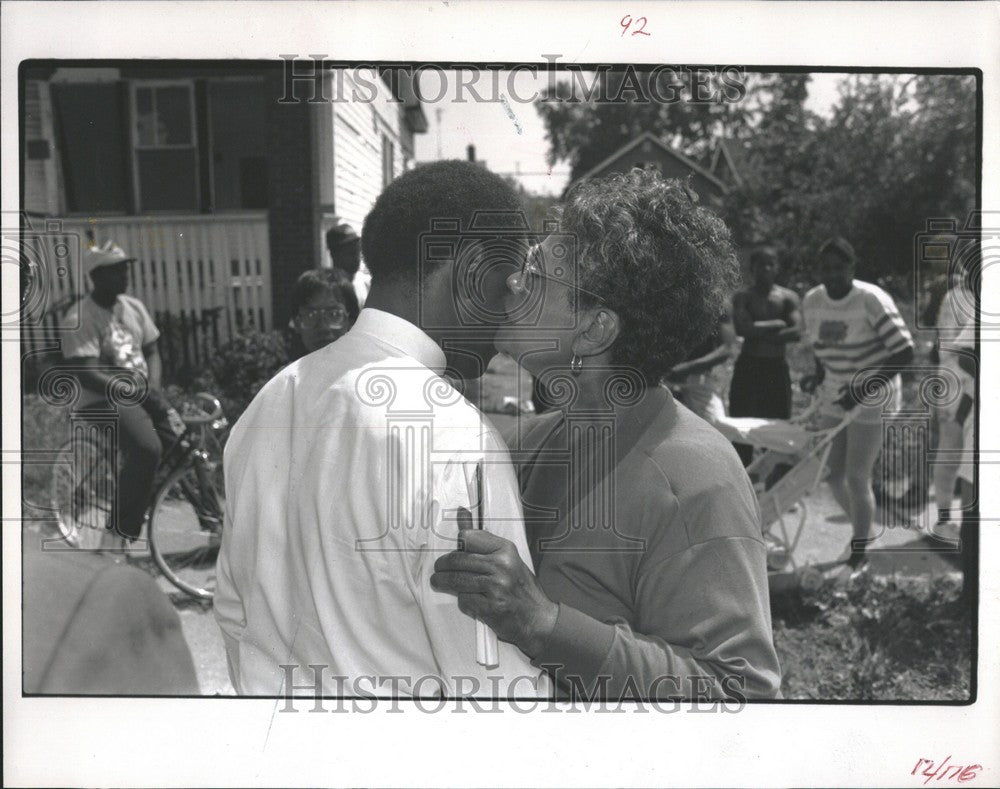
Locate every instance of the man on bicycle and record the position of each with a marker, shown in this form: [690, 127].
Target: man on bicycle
[103, 334]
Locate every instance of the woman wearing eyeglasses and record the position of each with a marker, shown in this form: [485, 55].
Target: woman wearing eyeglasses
[324, 306]
[650, 570]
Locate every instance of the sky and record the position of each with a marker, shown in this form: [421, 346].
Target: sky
[508, 132]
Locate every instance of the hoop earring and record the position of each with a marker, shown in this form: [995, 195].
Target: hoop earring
[576, 365]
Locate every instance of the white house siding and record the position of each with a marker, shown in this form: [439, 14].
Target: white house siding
[357, 147]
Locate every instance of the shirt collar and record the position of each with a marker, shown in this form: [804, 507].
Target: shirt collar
[401, 335]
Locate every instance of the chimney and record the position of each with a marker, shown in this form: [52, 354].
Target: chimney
[470, 151]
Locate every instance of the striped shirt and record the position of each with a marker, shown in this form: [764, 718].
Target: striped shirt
[861, 330]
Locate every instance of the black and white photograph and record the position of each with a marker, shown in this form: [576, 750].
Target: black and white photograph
[517, 401]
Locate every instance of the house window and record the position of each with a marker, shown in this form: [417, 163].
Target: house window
[165, 154]
[388, 159]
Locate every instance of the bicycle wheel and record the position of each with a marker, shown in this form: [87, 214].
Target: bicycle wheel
[82, 493]
[185, 530]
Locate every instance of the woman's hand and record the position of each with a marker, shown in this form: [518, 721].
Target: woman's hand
[809, 383]
[496, 587]
[845, 398]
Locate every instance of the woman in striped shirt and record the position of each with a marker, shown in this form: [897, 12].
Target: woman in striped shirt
[854, 327]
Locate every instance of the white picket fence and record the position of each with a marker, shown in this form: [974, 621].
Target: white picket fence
[204, 278]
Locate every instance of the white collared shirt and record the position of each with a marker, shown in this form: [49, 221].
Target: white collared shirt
[342, 479]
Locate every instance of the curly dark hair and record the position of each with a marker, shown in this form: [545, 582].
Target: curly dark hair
[664, 264]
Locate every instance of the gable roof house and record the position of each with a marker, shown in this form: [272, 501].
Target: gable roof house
[726, 165]
[647, 150]
[220, 178]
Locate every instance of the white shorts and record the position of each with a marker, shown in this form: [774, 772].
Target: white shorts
[830, 391]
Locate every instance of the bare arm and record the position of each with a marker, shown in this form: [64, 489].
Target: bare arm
[792, 328]
[155, 364]
[722, 353]
[746, 326]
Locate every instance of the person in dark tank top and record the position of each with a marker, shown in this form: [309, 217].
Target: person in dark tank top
[767, 317]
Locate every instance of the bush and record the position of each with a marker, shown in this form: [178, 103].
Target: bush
[241, 367]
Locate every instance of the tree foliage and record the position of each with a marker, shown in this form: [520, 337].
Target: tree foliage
[893, 152]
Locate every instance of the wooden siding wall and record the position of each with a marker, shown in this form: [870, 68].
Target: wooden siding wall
[357, 148]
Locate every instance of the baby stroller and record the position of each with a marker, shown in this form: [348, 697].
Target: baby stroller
[790, 462]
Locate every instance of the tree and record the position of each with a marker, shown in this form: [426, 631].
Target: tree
[584, 132]
[895, 151]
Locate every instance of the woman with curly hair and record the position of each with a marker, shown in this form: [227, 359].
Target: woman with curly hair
[643, 527]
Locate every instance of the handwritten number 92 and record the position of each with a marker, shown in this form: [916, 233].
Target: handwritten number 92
[640, 21]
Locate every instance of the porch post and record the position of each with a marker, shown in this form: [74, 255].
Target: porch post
[293, 192]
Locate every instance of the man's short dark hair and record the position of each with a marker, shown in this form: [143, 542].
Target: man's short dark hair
[448, 190]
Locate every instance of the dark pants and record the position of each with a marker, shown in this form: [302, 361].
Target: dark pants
[761, 387]
[140, 449]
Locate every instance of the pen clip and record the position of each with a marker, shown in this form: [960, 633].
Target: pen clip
[480, 497]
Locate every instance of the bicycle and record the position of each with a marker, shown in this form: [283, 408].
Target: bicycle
[185, 512]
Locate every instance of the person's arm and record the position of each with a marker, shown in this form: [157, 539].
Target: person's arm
[704, 631]
[155, 366]
[889, 367]
[703, 618]
[150, 334]
[744, 324]
[791, 330]
[722, 353]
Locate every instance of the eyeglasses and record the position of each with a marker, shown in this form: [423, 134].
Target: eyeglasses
[522, 282]
[330, 316]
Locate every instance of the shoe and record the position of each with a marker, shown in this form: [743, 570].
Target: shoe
[858, 556]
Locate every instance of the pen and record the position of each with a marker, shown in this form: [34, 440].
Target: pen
[487, 651]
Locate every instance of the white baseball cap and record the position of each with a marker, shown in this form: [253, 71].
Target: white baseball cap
[108, 254]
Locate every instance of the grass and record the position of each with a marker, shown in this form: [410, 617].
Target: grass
[883, 639]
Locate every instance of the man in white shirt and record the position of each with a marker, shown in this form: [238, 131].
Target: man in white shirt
[346, 474]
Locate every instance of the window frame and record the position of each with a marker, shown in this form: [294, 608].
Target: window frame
[133, 109]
